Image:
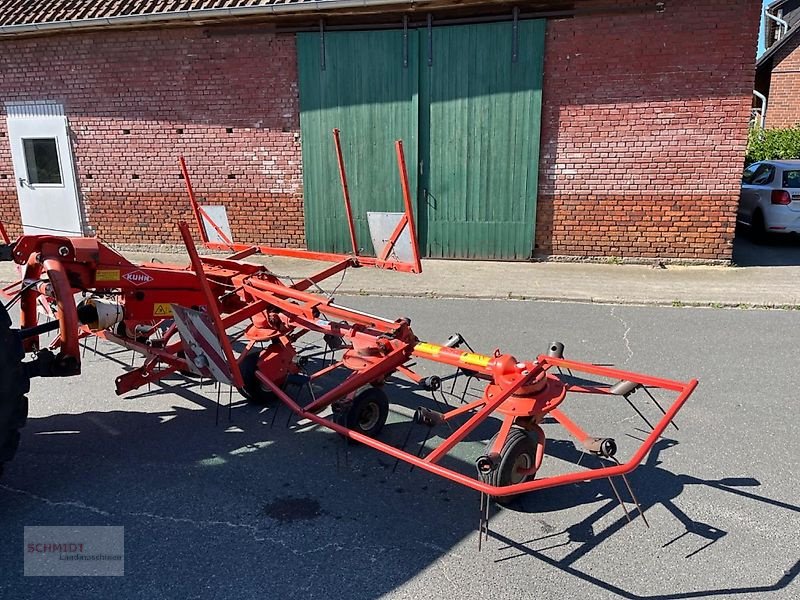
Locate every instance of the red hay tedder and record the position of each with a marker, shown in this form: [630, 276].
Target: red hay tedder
[190, 319]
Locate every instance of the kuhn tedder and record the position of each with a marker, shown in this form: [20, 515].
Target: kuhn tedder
[190, 320]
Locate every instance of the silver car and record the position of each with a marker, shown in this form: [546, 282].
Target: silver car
[770, 199]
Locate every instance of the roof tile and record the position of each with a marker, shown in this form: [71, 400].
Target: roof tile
[22, 12]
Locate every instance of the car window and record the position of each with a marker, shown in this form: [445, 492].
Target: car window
[791, 179]
[764, 175]
[747, 176]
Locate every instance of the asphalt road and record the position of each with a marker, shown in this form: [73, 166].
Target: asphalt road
[253, 509]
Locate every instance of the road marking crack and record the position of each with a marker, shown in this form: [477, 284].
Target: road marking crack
[624, 335]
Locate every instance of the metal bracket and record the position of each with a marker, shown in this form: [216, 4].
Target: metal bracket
[322, 44]
[430, 40]
[515, 36]
[405, 41]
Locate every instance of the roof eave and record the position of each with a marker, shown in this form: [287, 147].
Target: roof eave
[767, 57]
[203, 14]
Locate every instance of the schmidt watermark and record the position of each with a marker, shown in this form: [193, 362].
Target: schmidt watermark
[74, 551]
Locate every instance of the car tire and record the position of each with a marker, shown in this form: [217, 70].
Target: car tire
[758, 228]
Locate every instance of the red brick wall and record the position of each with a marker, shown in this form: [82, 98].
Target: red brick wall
[643, 128]
[154, 83]
[784, 89]
[644, 125]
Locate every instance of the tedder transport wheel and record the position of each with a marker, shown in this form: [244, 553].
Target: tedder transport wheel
[253, 389]
[367, 412]
[14, 384]
[517, 454]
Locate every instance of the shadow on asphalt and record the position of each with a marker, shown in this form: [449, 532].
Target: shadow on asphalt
[336, 493]
[657, 486]
[777, 253]
[172, 476]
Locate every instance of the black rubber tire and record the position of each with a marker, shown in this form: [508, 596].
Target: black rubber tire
[519, 446]
[367, 412]
[758, 229]
[253, 389]
[14, 384]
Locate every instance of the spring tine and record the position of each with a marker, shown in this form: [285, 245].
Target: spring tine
[638, 412]
[444, 398]
[403, 447]
[83, 352]
[95, 344]
[133, 356]
[422, 447]
[216, 411]
[480, 523]
[455, 378]
[486, 518]
[274, 415]
[230, 403]
[466, 389]
[619, 499]
[663, 412]
[635, 500]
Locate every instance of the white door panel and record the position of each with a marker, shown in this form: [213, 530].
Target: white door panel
[43, 169]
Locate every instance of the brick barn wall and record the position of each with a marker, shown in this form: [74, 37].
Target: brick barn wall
[137, 100]
[644, 125]
[784, 89]
[643, 128]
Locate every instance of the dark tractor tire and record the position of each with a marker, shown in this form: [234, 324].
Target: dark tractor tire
[518, 452]
[253, 389]
[367, 412]
[14, 384]
[758, 229]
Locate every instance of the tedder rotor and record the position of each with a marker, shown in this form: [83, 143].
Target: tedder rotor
[239, 323]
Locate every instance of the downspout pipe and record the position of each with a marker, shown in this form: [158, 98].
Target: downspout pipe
[203, 13]
[763, 99]
[779, 21]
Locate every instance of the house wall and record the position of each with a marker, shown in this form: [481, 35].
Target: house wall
[153, 83]
[644, 124]
[644, 128]
[784, 89]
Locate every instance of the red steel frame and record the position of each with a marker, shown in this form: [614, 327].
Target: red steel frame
[233, 293]
[382, 261]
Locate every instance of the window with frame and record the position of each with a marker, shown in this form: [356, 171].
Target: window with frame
[41, 161]
[763, 175]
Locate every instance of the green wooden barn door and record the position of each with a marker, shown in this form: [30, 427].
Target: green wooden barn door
[367, 88]
[479, 122]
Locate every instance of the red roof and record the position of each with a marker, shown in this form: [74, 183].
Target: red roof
[32, 12]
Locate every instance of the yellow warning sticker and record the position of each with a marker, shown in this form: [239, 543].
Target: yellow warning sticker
[425, 348]
[162, 309]
[107, 275]
[475, 359]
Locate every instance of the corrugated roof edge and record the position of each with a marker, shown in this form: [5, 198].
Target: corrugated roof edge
[200, 14]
